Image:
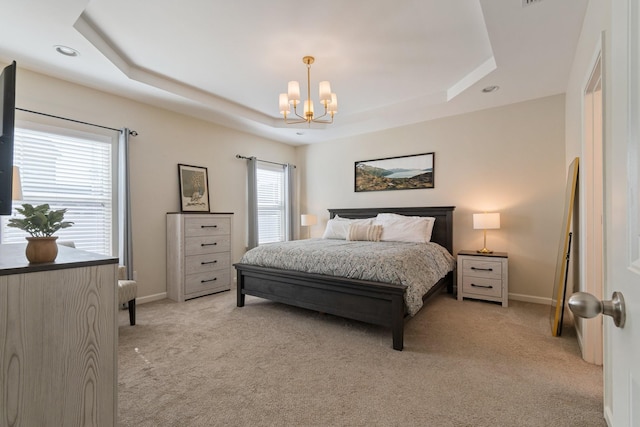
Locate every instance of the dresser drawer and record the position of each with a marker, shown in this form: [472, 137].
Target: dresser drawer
[218, 280]
[482, 268]
[206, 245]
[481, 286]
[208, 262]
[206, 226]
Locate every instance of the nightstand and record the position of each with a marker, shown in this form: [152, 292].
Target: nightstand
[483, 276]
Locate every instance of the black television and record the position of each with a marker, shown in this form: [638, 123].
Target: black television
[7, 124]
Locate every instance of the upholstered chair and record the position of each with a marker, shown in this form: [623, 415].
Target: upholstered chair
[127, 292]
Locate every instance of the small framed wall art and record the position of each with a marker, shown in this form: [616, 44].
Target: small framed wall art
[194, 188]
[395, 173]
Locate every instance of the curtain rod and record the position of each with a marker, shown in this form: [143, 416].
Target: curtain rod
[238, 156]
[131, 132]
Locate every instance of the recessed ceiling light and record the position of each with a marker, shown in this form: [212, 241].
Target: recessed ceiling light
[490, 89]
[66, 51]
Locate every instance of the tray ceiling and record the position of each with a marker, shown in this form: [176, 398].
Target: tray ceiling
[390, 63]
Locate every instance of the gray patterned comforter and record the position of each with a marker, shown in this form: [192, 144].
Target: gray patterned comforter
[418, 266]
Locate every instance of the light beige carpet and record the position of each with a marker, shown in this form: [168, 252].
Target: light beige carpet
[206, 362]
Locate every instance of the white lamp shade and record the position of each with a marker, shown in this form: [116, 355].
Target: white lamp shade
[486, 221]
[308, 107]
[325, 92]
[308, 219]
[284, 103]
[294, 91]
[333, 105]
[16, 184]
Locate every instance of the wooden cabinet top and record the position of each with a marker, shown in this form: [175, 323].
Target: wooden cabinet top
[14, 261]
[481, 254]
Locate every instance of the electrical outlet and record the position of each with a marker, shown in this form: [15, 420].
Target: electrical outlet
[135, 275]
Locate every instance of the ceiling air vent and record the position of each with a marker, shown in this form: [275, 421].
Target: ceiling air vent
[526, 3]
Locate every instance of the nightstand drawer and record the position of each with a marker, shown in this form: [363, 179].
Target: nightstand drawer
[482, 286]
[482, 268]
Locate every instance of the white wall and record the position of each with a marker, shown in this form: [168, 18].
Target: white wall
[596, 23]
[164, 140]
[509, 159]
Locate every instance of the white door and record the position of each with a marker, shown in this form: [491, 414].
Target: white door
[622, 218]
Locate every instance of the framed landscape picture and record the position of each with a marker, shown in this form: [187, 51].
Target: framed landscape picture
[194, 188]
[395, 173]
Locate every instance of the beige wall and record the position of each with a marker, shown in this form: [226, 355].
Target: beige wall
[509, 159]
[164, 140]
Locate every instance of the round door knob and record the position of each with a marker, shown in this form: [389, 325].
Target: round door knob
[583, 304]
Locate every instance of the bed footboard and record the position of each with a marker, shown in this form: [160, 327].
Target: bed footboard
[370, 302]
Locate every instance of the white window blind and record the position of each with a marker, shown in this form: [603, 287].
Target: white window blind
[271, 202]
[73, 172]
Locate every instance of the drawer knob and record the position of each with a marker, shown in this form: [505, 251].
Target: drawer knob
[210, 280]
[482, 269]
[482, 286]
[208, 226]
[209, 262]
[209, 244]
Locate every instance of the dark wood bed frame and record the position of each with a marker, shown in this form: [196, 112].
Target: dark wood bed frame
[371, 302]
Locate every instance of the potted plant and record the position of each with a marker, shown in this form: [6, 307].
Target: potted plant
[41, 222]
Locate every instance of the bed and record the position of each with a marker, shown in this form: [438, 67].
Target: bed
[373, 302]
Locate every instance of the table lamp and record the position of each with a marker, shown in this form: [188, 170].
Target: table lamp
[16, 185]
[307, 220]
[486, 221]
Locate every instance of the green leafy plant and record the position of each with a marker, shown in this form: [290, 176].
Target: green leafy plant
[40, 221]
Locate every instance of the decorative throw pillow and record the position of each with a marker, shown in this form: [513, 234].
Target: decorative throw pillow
[338, 228]
[369, 233]
[401, 228]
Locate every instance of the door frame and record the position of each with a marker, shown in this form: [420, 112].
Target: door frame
[591, 196]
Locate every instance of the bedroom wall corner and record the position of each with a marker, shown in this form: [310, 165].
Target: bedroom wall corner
[509, 159]
[165, 138]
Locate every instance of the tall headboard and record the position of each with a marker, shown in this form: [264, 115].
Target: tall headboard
[442, 228]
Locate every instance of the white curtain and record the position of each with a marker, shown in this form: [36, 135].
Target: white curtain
[125, 246]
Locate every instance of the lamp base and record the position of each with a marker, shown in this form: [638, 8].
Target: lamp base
[484, 251]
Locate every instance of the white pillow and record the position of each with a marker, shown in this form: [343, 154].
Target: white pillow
[338, 228]
[401, 228]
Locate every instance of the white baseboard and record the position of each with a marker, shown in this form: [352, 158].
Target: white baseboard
[529, 298]
[149, 298]
[515, 297]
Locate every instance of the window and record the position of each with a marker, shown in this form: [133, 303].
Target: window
[72, 170]
[271, 184]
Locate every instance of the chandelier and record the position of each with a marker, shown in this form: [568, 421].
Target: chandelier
[328, 100]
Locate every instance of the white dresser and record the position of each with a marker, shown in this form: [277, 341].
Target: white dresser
[483, 276]
[198, 254]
